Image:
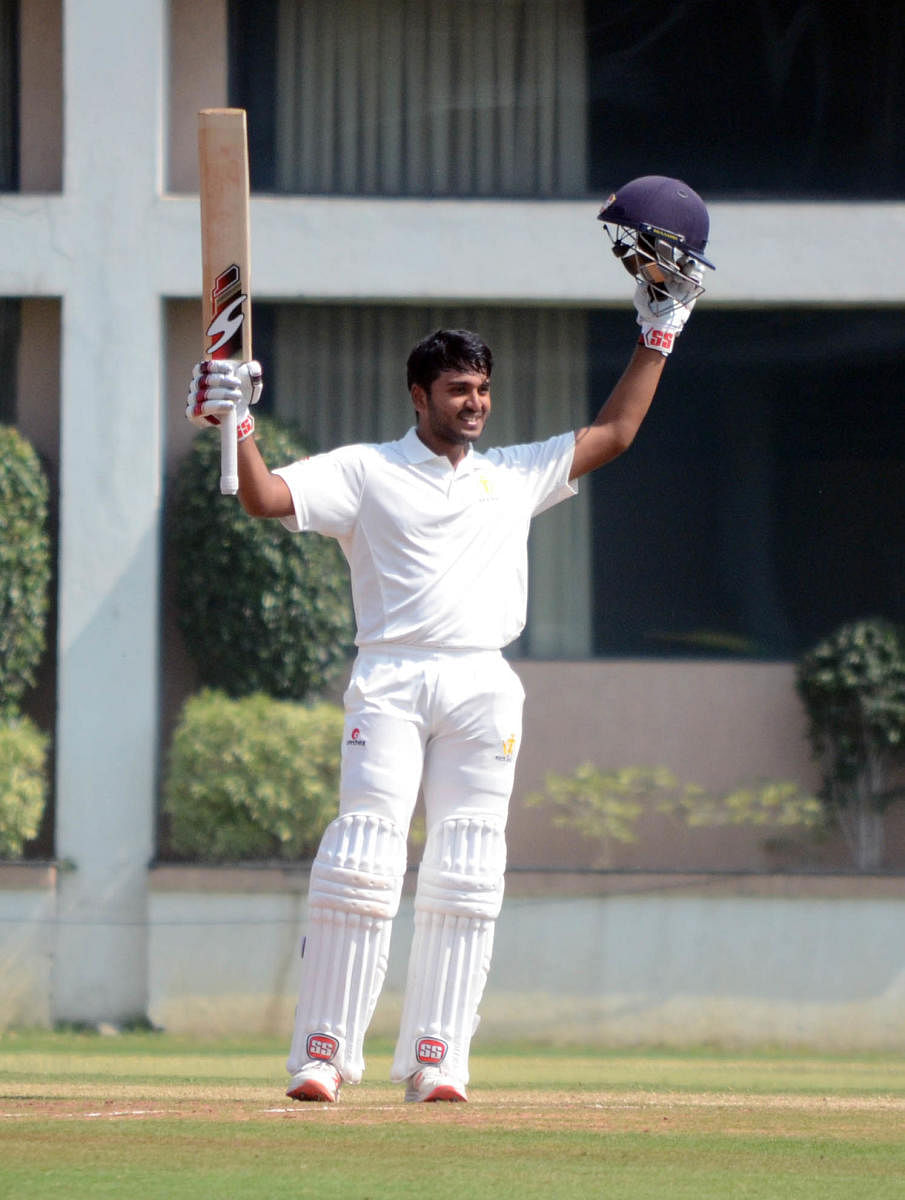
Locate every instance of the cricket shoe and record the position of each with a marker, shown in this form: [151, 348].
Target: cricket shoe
[431, 1084]
[316, 1081]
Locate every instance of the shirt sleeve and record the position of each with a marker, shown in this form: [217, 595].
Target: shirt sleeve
[326, 492]
[544, 467]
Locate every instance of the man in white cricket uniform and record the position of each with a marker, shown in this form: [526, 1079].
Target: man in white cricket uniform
[438, 560]
[435, 534]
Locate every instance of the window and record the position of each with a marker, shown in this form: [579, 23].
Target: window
[9, 356]
[406, 98]
[9, 95]
[785, 98]
[763, 503]
[9, 182]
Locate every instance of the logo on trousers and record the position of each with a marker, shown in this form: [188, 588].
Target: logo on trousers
[430, 1051]
[322, 1046]
[355, 738]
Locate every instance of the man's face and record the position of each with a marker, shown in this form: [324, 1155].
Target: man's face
[454, 411]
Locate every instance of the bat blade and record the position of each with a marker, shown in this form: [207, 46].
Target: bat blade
[225, 255]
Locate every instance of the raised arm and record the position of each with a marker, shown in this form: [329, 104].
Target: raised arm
[613, 429]
[662, 316]
[659, 228]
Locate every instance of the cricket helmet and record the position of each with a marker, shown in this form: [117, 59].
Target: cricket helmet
[659, 228]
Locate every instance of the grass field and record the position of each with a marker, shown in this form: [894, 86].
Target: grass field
[158, 1116]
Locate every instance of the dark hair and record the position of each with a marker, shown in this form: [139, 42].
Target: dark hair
[447, 350]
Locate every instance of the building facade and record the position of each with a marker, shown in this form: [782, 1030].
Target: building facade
[416, 164]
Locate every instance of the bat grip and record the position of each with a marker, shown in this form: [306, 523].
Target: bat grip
[229, 454]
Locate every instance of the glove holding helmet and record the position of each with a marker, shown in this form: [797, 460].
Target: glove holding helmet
[659, 228]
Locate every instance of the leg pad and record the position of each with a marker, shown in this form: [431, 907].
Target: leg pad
[459, 895]
[356, 883]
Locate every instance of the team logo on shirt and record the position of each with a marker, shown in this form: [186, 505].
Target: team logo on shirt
[508, 750]
[488, 491]
[355, 738]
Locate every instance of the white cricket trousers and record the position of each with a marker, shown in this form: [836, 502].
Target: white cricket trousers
[446, 724]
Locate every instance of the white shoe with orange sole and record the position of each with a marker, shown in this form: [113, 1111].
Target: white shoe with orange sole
[431, 1084]
[316, 1081]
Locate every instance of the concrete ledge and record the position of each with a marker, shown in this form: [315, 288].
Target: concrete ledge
[280, 878]
[595, 957]
[26, 876]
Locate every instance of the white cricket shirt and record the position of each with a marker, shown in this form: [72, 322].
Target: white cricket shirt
[438, 557]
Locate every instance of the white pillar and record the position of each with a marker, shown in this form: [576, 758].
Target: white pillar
[110, 485]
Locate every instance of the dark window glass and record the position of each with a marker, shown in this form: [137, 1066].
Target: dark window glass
[783, 97]
[763, 503]
[9, 95]
[252, 82]
[10, 310]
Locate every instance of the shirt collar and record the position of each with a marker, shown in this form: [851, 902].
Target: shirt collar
[415, 451]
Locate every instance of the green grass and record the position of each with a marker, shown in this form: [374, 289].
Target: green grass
[159, 1116]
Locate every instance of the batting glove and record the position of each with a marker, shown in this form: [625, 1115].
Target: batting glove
[662, 318]
[219, 384]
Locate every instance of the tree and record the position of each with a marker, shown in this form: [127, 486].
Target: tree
[23, 783]
[24, 567]
[852, 685]
[25, 571]
[261, 610]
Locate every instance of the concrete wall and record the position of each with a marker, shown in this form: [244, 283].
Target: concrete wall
[670, 961]
[716, 724]
[604, 959]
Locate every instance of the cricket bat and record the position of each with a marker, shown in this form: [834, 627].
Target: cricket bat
[225, 256]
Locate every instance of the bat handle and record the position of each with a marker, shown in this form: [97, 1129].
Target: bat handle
[229, 454]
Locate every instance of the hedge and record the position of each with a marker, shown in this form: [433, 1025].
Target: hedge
[25, 558]
[23, 784]
[251, 778]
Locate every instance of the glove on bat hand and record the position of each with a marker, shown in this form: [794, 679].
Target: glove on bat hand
[662, 318]
[219, 384]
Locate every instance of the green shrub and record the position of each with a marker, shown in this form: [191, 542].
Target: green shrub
[252, 778]
[23, 784]
[24, 567]
[261, 609]
[852, 685]
[605, 806]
